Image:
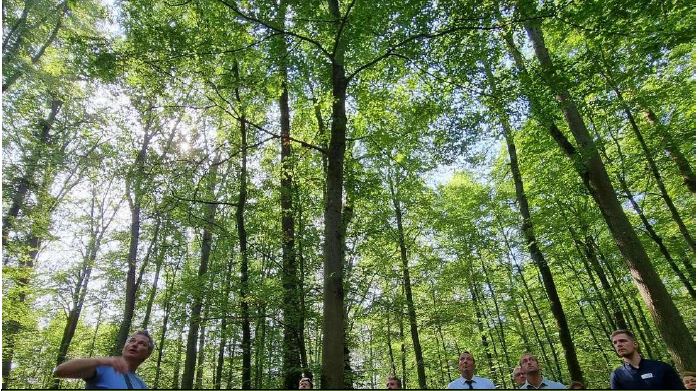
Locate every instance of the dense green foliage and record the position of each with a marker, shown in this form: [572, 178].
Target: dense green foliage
[132, 112]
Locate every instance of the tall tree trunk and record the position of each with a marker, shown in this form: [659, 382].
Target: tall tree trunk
[292, 313]
[195, 319]
[528, 233]
[411, 313]
[684, 167]
[403, 350]
[301, 287]
[133, 184]
[242, 239]
[666, 316]
[332, 375]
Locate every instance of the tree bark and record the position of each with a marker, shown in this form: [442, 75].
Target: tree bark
[332, 375]
[292, 313]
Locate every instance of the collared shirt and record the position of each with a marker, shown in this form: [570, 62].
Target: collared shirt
[651, 375]
[477, 382]
[545, 384]
[107, 378]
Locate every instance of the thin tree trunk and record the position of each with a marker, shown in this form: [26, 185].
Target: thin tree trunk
[178, 360]
[201, 352]
[165, 323]
[684, 167]
[301, 287]
[666, 316]
[528, 233]
[242, 239]
[195, 319]
[499, 327]
[224, 327]
[411, 313]
[133, 184]
[153, 289]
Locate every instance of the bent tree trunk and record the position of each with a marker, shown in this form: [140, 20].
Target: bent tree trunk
[666, 316]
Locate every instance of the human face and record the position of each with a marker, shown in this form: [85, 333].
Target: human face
[519, 376]
[624, 345]
[136, 348]
[689, 382]
[529, 363]
[304, 384]
[466, 363]
[392, 384]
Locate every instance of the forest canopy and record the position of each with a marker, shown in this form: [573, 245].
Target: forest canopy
[348, 189]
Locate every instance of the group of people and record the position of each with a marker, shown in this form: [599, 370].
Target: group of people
[636, 373]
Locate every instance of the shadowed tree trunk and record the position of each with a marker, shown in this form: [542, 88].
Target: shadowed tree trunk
[332, 375]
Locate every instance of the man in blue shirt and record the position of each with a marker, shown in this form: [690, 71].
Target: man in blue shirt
[111, 372]
[534, 376]
[467, 380]
[638, 373]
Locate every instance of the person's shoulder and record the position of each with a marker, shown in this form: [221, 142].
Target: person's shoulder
[485, 380]
[453, 384]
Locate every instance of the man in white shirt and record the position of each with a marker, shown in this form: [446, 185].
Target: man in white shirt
[534, 376]
[467, 380]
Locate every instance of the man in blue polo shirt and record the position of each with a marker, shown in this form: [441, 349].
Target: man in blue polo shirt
[637, 373]
[118, 372]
